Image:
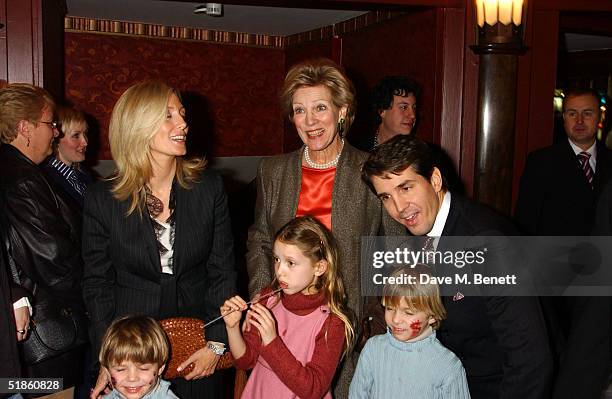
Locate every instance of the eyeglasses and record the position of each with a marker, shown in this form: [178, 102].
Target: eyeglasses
[586, 114]
[54, 124]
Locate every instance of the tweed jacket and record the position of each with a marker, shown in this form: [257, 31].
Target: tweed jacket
[356, 212]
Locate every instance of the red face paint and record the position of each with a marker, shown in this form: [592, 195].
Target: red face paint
[415, 326]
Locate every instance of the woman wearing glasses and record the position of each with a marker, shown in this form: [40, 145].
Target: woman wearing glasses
[42, 230]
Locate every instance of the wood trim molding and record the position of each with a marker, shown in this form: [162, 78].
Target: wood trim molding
[139, 29]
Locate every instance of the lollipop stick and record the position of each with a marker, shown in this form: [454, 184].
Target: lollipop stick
[251, 302]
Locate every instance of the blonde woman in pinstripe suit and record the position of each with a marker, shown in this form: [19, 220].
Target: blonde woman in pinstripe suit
[156, 237]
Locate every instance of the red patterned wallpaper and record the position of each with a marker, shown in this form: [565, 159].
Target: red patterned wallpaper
[230, 92]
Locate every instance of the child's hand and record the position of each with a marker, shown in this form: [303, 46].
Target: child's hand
[246, 326]
[235, 305]
[262, 319]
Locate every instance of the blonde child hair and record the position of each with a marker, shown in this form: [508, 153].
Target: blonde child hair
[138, 339]
[317, 243]
[418, 297]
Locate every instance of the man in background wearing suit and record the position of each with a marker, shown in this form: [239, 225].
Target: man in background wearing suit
[500, 340]
[557, 197]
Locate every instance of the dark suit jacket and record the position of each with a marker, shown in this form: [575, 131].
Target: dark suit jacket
[122, 265]
[556, 200]
[554, 196]
[494, 336]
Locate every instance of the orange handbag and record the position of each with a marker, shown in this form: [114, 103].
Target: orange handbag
[186, 336]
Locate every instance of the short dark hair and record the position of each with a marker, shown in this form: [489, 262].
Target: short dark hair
[580, 91]
[397, 155]
[389, 86]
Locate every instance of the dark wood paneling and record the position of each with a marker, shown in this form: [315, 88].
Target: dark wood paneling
[592, 23]
[50, 47]
[449, 82]
[523, 108]
[20, 52]
[573, 5]
[3, 57]
[543, 79]
[536, 85]
[346, 4]
[470, 104]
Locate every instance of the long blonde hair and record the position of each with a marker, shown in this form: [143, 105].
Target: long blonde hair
[317, 243]
[136, 118]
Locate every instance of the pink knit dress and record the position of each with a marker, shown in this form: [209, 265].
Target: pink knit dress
[298, 333]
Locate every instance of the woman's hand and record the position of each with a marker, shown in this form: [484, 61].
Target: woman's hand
[233, 308]
[102, 384]
[22, 322]
[262, 319]
[204, 364]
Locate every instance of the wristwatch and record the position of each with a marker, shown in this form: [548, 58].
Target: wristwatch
[216, 347]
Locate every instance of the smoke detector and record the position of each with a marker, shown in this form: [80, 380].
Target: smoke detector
[212, 9]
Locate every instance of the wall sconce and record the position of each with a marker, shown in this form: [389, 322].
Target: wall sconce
[500, 26]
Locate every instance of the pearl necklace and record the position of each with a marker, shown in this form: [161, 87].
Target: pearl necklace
[326, 165]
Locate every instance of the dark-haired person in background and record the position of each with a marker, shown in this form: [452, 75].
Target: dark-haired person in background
[557, 197]
[394, 109]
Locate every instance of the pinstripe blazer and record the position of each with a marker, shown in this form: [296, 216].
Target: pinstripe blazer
[122, 273]
[356, 212]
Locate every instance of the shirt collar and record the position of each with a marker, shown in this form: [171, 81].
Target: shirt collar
[591, 150]
[438, 227]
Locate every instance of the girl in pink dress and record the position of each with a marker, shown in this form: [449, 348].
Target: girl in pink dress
[293, 340]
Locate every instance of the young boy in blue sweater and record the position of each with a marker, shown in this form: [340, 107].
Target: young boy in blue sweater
[409, 361]
[134, 354]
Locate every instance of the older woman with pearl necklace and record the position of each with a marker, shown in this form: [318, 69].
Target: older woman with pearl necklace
[320, 179]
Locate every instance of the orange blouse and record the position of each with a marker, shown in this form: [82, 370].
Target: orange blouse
[316, 194]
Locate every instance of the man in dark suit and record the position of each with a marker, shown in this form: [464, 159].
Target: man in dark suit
[501, 340]
[557, 197]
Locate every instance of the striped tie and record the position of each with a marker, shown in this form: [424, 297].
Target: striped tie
[583, 159]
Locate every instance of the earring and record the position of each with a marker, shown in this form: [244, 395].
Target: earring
[28, 142]
[341, 127]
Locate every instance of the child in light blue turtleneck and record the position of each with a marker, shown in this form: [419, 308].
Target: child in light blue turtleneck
[409, 361]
